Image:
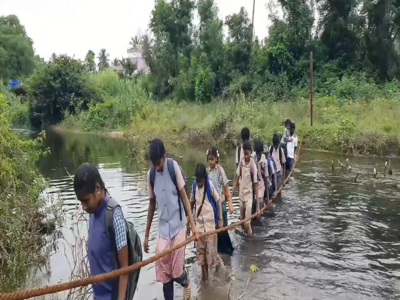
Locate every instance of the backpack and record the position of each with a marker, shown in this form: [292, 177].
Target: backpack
[269, 160]
[172, 174]
[279, 150]
[134, 248]
[210, 198]
[238, 154]
[252, 162]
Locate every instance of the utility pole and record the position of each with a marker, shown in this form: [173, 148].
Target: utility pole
[311, 86]
[252, 20]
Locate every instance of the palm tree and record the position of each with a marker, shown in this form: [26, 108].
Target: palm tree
[104, 61]
[147, 47]
[135, 42]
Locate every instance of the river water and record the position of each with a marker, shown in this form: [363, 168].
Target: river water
[328, 238]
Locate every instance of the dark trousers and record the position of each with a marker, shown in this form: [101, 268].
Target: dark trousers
[168, 288]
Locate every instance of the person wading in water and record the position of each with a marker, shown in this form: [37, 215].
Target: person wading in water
[166, 187]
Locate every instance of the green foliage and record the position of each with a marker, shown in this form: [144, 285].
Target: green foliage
[57, 88]
[20, 203]
[16, 51]
[104, 60]
[90, 64]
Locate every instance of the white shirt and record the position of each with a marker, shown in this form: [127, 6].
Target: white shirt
[291, 146]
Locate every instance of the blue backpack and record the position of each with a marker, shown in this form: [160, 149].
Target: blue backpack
[210, 198]
[269, 160]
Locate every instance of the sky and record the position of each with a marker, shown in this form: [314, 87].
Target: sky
[73, 27]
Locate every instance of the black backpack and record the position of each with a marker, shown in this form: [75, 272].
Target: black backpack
[135, 254]
[172, 174]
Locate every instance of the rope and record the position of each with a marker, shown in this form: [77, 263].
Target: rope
[107, 276]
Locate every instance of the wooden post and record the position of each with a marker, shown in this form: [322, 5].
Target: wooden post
[311, 86]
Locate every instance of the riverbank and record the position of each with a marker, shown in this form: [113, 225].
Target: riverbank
[353, 128]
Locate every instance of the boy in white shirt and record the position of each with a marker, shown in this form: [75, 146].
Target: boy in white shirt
[291, 148]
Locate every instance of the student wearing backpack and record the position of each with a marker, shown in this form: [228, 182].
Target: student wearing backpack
[208, 214]
[246, 177]
[278, 155]
[216, 174]
[245, 134]
[166, 188]
[110, 237]
[272, 173]
[263, 175]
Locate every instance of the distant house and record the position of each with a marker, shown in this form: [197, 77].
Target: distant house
[135, 55]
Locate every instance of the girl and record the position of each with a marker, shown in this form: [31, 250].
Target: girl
[217, 175]
[208, 214]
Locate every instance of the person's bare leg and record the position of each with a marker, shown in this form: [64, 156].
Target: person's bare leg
[203, 273]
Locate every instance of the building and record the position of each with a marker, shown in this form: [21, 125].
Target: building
[135, 55]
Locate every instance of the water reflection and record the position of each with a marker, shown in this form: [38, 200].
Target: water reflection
[329, 238]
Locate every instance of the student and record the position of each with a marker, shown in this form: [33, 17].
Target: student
[246, 177]
[90, 191]
[216, 174]
[286, 136]
[272, 174]
[208, 214]
[166, 188]
[291, 148]
[263, 175]
[245, 134]
[278, 155]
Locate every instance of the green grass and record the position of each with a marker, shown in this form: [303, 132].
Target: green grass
[341, 123]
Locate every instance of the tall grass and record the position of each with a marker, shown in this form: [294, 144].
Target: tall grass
[357, 117]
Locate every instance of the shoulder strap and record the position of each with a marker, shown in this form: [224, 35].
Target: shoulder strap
[280, 154]
[111, 205]
[172, 174]
[238, 153]
[194, 186]
[152, 177]
[271, 149]
[213, 204]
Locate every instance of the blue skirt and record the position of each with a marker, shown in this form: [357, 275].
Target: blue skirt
[224, 241]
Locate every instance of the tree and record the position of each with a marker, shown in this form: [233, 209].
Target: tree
[90, 64]
[239, 41]
[135, 42]
[147, 47]
[16, 51]
[128, 67]
[116, 62]
[104, 60]
[58, 88]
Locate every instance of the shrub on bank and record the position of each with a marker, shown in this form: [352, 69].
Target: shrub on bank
[21, 206]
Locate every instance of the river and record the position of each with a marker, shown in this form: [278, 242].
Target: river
[328, 238]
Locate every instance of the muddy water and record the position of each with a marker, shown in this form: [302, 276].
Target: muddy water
[328, 238]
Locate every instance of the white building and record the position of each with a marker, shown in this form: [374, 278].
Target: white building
[135, 55]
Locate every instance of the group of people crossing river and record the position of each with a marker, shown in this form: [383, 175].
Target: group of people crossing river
[113, 243]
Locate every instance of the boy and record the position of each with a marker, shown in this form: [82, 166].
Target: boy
[246, 177]
[278, 155]
[263, 175]
[245, 134]
[291, 148]
[286, 136]
[168, 192]
[91, 192]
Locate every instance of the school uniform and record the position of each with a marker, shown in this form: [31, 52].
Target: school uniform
[206, 247]
[247, 173]
[291, 146]
[279, 163]
[171, 225]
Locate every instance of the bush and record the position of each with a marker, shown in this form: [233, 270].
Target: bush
[20, 206]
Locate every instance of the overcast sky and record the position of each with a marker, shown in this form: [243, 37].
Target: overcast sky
[74, 26]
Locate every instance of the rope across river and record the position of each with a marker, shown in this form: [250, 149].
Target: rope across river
[106, 276]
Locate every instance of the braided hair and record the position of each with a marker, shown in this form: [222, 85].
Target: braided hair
[201, 173]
